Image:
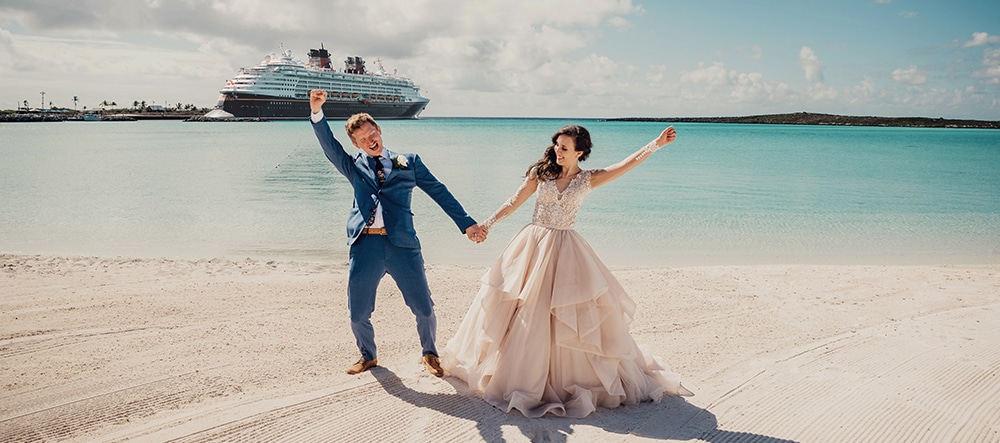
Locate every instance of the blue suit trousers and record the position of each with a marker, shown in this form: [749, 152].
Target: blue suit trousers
[372, 257]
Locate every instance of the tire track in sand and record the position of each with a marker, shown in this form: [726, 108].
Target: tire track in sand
[930, 378]
[42, 341]
[81, 417]
[382, 410]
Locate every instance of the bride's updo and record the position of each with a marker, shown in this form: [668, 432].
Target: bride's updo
[546, 168]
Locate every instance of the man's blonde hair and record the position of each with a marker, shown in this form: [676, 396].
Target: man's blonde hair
[356, 121]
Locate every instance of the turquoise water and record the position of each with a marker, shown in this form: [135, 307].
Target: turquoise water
[721, 194]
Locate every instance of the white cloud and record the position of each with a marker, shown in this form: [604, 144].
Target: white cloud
[991, 67]
[7, 51]
[484, 57]
[752, 87]
[97, 70]
[811, 64]
[862, 92]
[820, 92]
[910, 75]
[655, 73]
[713, 76]
[525, 46]
[620, 23]
[743, 87]
[991, 57]
[981, 38]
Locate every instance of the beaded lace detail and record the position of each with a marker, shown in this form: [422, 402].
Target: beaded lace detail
[650, 148]
[554, 209]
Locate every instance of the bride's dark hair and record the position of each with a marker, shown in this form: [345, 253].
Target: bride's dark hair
[546, 168]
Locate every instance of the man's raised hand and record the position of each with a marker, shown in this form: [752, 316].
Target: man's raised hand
[316, 99]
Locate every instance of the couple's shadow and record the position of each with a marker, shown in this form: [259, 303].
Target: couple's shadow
[673, 418]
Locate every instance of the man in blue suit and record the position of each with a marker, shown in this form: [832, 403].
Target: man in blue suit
[380, 229]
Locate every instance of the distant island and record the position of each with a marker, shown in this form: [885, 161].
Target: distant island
[808, 118]
[105, 112]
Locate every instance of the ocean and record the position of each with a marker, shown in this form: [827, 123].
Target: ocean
[721, 194]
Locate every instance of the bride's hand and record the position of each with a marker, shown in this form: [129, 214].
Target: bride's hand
[666, 137]
[476, 233]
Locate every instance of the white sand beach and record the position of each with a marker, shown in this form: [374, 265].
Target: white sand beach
[99, 349]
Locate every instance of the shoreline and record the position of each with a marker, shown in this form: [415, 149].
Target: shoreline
[814, 119]
[798, 118]
[106, 349]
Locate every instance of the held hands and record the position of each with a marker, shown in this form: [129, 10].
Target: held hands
[666, 137]
[316, 99]
[477, 233]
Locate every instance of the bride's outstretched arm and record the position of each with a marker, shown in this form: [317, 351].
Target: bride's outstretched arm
[602, 176]
[527, 188]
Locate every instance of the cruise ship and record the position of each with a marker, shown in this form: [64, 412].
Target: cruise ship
[278, 88]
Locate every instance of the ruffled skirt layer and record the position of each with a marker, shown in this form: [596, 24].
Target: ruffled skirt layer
[548, 333]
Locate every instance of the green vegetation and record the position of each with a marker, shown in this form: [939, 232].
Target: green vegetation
[107, 110]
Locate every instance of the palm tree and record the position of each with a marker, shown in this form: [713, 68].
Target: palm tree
[135, 104]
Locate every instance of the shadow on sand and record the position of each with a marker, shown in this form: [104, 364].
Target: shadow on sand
[671, 419]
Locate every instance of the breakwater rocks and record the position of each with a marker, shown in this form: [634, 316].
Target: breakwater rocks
[118, 118]
[808, 118]
[23, 118]
[27, 118]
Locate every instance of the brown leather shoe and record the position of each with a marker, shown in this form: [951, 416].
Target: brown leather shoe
[433, 364]
[362, 365]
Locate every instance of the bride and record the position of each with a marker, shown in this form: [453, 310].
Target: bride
[548, 330]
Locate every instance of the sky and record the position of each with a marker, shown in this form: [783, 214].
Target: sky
[531, 58]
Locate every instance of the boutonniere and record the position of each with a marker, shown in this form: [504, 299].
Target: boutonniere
[400, 162]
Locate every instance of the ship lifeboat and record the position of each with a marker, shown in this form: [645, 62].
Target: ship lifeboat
[354, 95]
[381, 97]
[345, 94]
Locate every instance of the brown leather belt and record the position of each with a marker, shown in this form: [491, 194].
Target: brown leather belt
[373, 231]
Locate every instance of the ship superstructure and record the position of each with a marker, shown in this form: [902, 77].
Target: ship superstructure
[278, 88]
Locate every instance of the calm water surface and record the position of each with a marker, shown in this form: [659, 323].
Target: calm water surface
[721, 194]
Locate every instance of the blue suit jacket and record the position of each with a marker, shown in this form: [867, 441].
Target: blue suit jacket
[395, 195]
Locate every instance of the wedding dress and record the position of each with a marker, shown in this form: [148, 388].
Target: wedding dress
[548, 330]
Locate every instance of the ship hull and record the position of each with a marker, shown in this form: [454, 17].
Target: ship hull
[278, 108]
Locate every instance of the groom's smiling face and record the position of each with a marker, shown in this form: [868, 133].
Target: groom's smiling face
[368, 138]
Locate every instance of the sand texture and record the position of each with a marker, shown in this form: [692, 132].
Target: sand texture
[100, 349]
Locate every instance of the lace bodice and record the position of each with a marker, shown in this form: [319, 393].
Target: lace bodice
[554, 209]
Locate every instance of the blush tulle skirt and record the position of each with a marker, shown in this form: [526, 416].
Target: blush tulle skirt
[548, 332]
